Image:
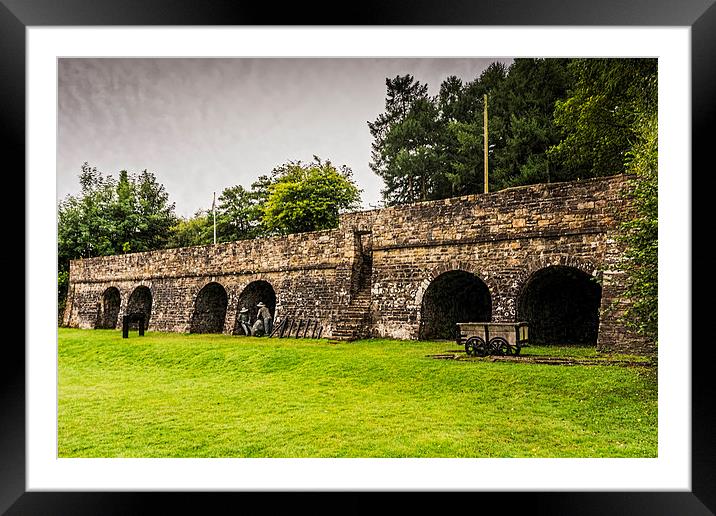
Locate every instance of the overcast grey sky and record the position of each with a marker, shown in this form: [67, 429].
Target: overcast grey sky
[201, 125]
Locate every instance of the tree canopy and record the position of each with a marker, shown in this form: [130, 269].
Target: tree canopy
[548, 120]
[112, 216]
[600, 119]
[131, 213]
[308, 197]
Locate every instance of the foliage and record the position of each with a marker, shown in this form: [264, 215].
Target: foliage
[599, 118]
[236, 217]
[530, 91]
[405, 151]
[196, 230]
[109, 216]
[641, 234]
[549, 120]
[433, 147]
[308, 197]
[63, 280]
[175, 395]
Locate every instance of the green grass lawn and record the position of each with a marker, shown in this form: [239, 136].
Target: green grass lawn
[174, 395]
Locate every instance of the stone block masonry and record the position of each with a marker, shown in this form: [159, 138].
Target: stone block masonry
[545, 253]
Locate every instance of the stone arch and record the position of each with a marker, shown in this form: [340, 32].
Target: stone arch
[210, 306]
[453, 296]
[140, 300]
[536, 263]
[108, 312]
[259, 290]
[455, 265]
[561, 304]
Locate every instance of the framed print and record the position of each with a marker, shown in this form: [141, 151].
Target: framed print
[45, 43]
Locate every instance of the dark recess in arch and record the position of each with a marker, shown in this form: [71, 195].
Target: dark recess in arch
[561, 305]
[140, 301]
[453, 297]
[209, 309]
[109, 309]
[254, 292]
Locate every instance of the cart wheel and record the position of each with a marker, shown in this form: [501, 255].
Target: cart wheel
[517, 350]
[475, 346]
[493, 347]
[480, 348]
[500, 346]
[470, 345]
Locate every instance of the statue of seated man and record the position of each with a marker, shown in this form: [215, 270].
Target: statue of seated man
[258, 328]
[244, 321]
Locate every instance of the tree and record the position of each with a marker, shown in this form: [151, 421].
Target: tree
[530, 91]
[429, 148]
[111, 216]
[405, 150]
[195, 230]
[549, 120]
[308, 197]
[237, 217]
[463, 137]
[84, 230]
[599, 118]
[155, 213]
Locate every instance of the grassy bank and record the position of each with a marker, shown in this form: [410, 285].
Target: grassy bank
[170, 395]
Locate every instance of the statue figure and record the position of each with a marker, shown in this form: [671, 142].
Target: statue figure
[257, 329]
[244, 321]
[265, 316]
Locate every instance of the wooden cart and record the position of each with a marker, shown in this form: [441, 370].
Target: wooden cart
[485, 338]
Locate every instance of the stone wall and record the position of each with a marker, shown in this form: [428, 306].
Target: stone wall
[301, 269]
[381, 262]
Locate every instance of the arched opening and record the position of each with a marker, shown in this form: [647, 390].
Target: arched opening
[109, 309]
[561, 305]
[255, 292]
[140, 301]
[453, 297]
[209, 310]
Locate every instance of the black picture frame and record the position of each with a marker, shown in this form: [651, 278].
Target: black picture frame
[699, 15]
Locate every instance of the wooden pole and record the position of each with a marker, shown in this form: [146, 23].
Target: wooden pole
[213, 210]
[485, 140]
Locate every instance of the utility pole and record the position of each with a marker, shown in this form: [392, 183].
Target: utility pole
[213, 209]
[484, 134]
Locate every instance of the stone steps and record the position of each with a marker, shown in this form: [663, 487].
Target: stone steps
[353, 320]
[356, 316]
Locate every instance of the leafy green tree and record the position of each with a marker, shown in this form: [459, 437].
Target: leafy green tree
[112, 216]
[599, 118]
[432, 147]
[155, 213]
[195, 230]
[84, 230]
[308, 197]
[237, 217]
[415, 155]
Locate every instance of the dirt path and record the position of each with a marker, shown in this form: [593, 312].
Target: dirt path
[539, 359]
